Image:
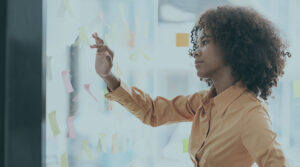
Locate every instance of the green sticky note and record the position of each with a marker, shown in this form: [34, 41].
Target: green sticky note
[64, 160]
[146, 57]
[296, 85]
[85, 146]
[132, 57]
[185, 144]
[53, 123]
[99, 145]
[115, 145]
[82, 36]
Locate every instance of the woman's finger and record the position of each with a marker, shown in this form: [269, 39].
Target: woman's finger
[96, 45]
[98, 40]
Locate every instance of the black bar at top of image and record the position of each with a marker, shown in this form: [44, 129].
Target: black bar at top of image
[22, 83]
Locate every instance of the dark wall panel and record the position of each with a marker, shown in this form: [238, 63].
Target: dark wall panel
[24, 83]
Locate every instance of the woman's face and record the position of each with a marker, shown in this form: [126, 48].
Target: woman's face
[208, 57]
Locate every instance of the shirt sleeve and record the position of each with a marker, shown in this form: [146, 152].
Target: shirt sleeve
[158, 111]
[260, 140]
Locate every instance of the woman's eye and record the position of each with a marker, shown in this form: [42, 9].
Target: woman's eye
[204, 42]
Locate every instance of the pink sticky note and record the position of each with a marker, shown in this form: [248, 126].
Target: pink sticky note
[76, 98]
[71, 129]
[65, 77]
[87, 88]
[131, 40]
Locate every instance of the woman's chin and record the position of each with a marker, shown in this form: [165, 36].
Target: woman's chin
[199, 74]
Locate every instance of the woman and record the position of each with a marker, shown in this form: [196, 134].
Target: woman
[241, 56]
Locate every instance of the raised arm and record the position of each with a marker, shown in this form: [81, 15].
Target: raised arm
[158, 111]
[152, 112]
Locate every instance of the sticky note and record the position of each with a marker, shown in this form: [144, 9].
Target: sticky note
[76, 98]
[131, 42]
[82, 36]
[64, 160]
[87, 88]
[109, 105]
[146, 57]
[185, 144]
[296, 86]
[53, 123]
[101, 143]
[182, 39]
[67, 6]
[103, 139]
[122, 12]
[85, 146]
[115, 146]
[71, 129]
[65, 77]
[132, 57]
[121, 149]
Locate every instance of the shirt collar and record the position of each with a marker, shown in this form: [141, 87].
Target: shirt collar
[222, 100]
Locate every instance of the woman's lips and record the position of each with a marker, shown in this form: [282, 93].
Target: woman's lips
[198, 62]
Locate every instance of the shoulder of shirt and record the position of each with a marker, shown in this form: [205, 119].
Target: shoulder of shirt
[195, 99]
[247, 102]
[199, 94]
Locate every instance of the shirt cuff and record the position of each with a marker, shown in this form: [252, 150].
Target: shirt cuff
[119, 92]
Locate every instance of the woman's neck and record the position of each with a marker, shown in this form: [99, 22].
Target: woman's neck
[223, 80]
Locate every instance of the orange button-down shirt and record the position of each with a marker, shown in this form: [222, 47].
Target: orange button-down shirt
[232, 129]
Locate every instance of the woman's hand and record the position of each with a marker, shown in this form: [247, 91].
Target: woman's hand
[104, 57]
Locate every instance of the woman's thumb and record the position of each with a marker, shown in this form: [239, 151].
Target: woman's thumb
[109, 59]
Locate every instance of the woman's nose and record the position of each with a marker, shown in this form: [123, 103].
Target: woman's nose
[196, 53]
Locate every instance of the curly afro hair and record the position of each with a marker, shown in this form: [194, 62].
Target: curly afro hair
[251, 46]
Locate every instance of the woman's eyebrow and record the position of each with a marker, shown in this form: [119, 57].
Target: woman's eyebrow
[205, 36]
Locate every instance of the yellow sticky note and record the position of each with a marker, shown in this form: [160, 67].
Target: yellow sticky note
[82, 36]
[296, 85]
[185, 144]
[122, 12]
[115, 143]
[64, 160]
[85, 146]
[53, 123]
[182, 39]
[99, 145]
[67, 6]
